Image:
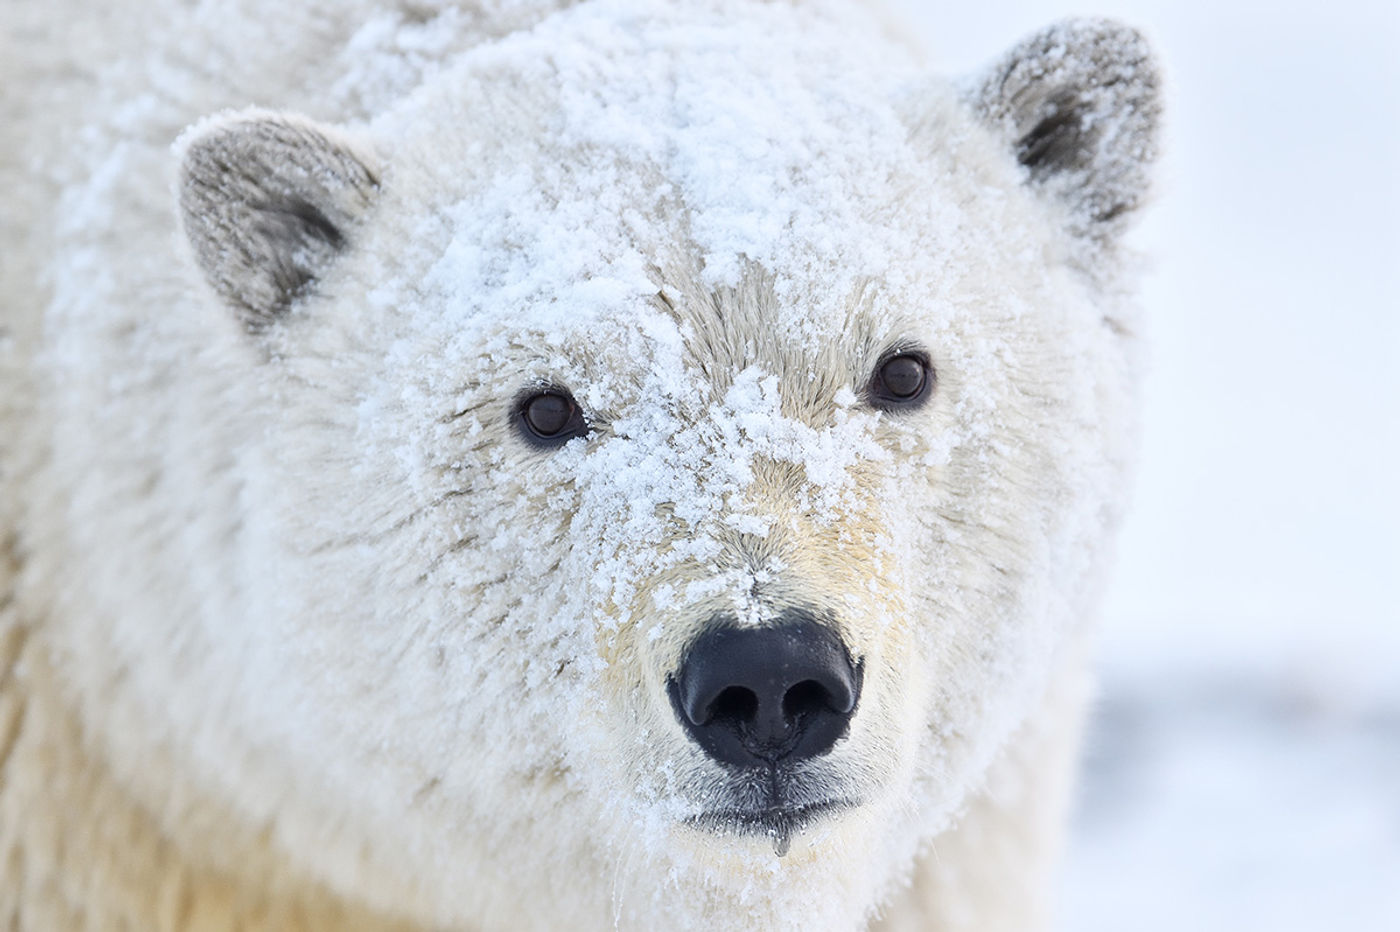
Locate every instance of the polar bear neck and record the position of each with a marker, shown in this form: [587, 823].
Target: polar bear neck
[77, 852]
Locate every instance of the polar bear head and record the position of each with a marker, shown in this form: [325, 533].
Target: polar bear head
[672, 459]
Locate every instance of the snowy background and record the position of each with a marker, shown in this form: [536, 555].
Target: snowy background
[1243, 769]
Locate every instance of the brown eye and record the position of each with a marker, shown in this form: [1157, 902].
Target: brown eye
[900, 381]
[550, 418]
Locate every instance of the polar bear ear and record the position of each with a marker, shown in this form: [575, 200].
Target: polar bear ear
[1079, 104]
[267, 201]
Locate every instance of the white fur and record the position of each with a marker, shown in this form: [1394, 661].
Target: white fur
[306, 585]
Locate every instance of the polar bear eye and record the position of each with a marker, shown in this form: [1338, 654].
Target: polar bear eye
[550, 417]
[900, 381]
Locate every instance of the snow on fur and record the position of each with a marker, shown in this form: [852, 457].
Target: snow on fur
[281, 534]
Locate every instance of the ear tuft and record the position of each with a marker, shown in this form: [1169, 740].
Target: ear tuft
[1080, 106]
[267, 201]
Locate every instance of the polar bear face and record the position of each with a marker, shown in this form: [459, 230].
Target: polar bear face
[675, 454]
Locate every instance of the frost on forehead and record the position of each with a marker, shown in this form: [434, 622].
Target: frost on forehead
[661, 129]
[520, 253]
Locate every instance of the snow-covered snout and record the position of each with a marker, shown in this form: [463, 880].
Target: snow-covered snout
[774, 676]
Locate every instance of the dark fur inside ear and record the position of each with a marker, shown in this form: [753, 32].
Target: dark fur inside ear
[1079, 105]
[268, 202]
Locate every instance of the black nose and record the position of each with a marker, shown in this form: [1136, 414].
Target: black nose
[756, 696]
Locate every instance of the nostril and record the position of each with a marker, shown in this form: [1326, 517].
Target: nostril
[755, 696]
[804, 698]
[733, 706]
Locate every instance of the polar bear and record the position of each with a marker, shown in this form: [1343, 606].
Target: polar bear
[538, 465]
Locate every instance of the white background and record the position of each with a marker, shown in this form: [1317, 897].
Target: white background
[1243, 771]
